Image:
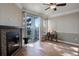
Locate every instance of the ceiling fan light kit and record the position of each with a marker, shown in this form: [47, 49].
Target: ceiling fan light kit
[54, 5]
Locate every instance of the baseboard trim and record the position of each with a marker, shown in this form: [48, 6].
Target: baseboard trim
[75, 44]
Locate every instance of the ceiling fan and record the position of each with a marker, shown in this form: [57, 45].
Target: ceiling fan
[54, 5]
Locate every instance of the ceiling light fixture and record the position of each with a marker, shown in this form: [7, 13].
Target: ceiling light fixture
[52, 6]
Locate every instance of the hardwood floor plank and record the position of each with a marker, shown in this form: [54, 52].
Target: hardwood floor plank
[48, 48]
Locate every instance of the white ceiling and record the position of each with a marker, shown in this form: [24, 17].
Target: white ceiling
[39, 8]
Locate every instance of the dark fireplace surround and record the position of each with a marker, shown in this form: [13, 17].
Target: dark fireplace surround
[10, 40]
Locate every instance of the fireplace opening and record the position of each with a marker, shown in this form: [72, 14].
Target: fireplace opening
[0, 46]
[12, 39]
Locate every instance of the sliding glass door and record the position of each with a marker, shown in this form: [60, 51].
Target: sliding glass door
[32, 28]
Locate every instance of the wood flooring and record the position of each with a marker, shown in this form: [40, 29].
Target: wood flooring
[48, 48]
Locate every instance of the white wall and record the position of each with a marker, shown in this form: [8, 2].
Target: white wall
[66, 24]
[10, 15]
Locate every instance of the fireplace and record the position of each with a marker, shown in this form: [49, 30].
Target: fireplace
[10, 40]
[0, 44]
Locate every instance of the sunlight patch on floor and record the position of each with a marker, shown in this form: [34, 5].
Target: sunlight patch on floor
[58, 49]
[66, 54]
[50, 44]
[74, 48]
[30, 45]
[75, 53]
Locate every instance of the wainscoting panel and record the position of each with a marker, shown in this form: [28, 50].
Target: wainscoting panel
[69, 37]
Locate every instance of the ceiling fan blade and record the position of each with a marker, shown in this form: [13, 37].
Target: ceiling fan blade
[47, 8]
[62, 4]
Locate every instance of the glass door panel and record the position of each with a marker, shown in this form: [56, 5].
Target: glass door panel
[32, 28]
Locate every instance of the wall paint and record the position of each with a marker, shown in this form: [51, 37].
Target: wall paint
[67, 23]
[67, 27]
[10, 15]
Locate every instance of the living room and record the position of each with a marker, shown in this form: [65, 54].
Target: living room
[64, 21]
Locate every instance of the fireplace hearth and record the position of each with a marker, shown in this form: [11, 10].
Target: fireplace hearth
[10, 40]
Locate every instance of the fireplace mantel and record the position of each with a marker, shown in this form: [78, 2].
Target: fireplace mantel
[9, 27]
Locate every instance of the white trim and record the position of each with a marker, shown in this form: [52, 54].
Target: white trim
[64, 13]
[75, 44]
[36, 13]
[68, 32]
[45, 16]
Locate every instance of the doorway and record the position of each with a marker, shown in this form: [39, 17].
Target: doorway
[32, 28]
